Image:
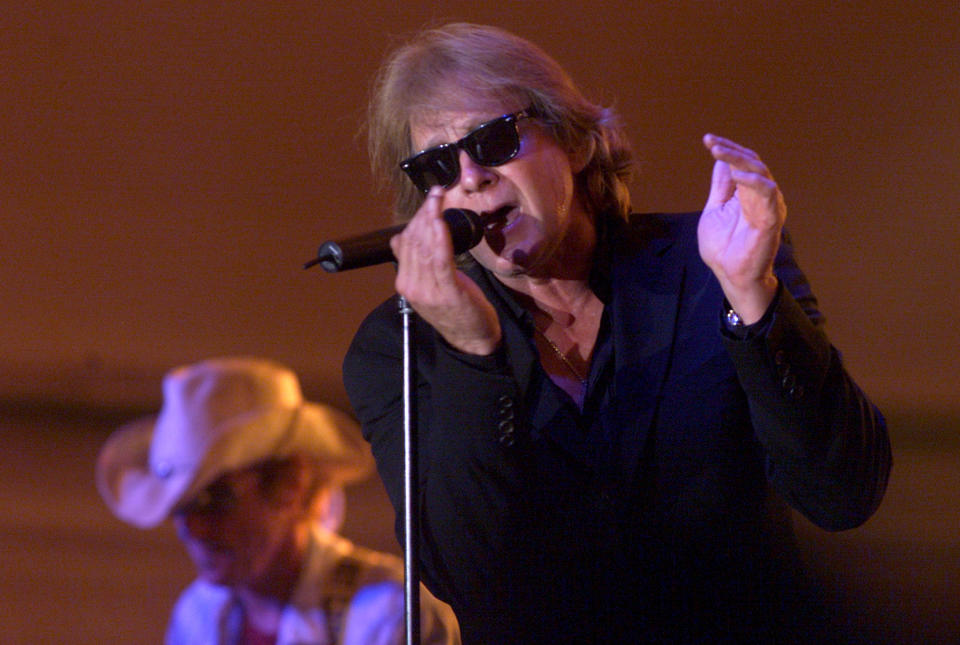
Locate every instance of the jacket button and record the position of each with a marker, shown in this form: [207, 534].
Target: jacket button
[788, 382]
[506, 428]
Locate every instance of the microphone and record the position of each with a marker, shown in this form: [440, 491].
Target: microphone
[372, 248]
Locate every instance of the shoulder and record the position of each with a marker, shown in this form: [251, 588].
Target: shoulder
[370, 584]
[367, 566]
[654, 227]
[197, 613]
[646, 244]
[338, 568]
[383, 317]
[651, 233]
[380, 331]
[376, 341]
[201, 596]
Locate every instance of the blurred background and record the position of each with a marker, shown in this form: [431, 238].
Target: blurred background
[167, 167]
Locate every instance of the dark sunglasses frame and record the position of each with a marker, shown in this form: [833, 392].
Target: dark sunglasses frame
[217, 499]
[221, 496]
[440, 165]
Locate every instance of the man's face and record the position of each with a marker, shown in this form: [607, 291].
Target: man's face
[235, 533]
[528, 203]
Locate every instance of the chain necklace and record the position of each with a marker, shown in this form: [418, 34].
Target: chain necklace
[563, 357]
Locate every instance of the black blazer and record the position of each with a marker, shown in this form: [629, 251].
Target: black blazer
[660, 516]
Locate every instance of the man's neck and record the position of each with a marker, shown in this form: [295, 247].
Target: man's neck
[565, 280]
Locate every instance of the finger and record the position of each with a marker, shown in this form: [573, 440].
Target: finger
[740, 163]
[430, 209]
[711, 140]
[760, 199]
[424, 250]
[755, 181]
[406, 244]
[418, 232]
[738, 157]
[416, 276]
[722, 186]
[434, 239]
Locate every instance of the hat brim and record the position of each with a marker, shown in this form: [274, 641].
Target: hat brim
[126, 483]
[138, 495]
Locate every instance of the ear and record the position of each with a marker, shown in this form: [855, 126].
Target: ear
[294, 482]
[331, 508]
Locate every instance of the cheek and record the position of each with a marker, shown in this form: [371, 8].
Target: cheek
[561, 186]
[547, 181]
[263, 537]
[549, 160]
[255, 536]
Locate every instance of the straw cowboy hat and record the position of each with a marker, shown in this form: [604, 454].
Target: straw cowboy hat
[218, 416]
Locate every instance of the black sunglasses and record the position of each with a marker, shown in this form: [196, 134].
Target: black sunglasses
[222, 496]
[219, 498]
[490, 144]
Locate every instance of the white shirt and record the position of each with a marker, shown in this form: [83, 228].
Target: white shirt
[346, 595]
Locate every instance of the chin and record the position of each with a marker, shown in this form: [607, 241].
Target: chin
[506, 267]
[526, 260]
[216, 571]
[218, 577]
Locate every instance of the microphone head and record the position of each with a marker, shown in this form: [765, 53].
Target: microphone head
[465, 227]
[372, 248]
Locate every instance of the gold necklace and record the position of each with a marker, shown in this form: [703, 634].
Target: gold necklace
[563, 357]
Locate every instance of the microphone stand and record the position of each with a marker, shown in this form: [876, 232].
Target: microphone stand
[466, 231]
[411, 504]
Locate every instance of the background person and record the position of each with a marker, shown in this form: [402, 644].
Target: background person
[251, 475]
[616, 411]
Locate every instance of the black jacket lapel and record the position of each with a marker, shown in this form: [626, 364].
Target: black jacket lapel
[647, 284]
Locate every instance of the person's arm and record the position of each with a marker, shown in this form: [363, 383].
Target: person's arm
[827, 447]
[469, 474]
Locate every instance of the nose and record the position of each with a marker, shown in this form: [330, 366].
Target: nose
[473, 176]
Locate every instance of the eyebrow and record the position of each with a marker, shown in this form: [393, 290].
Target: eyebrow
[471, 125]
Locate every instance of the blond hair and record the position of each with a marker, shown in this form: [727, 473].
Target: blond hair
[493, 63]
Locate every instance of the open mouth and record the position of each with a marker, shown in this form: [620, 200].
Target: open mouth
[499, 219]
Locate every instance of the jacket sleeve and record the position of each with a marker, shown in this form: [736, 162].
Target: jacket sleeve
[827, 447]
[468, 474]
